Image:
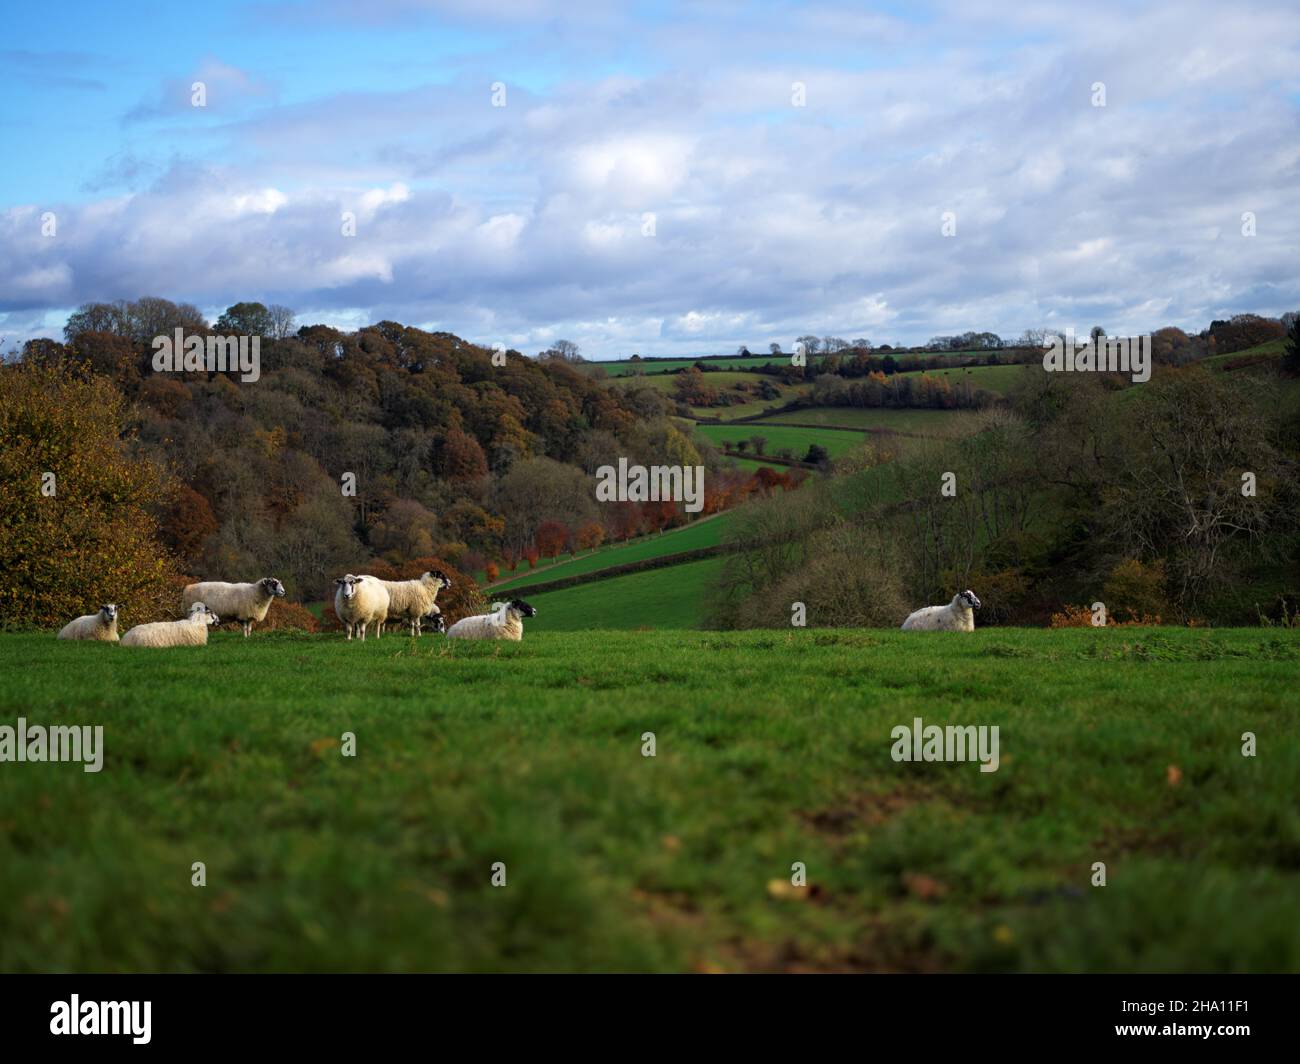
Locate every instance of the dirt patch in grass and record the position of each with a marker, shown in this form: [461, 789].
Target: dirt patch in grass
[865, 810]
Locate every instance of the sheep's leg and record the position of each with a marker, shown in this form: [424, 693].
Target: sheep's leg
[248, 627]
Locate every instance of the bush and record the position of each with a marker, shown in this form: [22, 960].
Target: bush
[289, 617]
[1136, 590]
[96, 539]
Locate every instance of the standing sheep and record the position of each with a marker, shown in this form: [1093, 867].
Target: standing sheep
[505, 622]
[412, 600]
[360, 601]
[190, 632]
[957, 616]
[244, 603]
[101, 626]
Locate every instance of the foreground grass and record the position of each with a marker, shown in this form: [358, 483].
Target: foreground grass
[1119, 745]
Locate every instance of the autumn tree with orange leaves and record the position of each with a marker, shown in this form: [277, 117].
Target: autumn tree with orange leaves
[77, 511]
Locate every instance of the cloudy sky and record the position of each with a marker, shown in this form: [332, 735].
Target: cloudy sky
[654, 177]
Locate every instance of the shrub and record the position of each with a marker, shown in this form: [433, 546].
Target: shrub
[1135, 590]
[289, 617]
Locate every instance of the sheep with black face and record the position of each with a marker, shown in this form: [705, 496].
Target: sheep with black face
[506, 621]
[244, 603]
[101, 626]
[957, 616]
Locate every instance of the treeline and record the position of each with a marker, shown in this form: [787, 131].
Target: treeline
[373, 448]
[1178, 499]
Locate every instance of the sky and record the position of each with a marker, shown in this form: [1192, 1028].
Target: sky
[654, 178]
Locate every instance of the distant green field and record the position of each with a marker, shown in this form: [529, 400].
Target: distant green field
[923, 422]
[652, 369]
[705, 533]
[672, 597]
[778, 437]
[624, 367]
[1117, 746]
[722, 380]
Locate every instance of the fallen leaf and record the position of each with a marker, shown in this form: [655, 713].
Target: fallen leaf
[924, 887]
[1174, 775]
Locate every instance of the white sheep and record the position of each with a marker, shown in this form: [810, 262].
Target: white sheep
[504, 622]
[360, 601]
[957, 616]
[412, 600]
[244, 603]
[101, 626]
[192, 631]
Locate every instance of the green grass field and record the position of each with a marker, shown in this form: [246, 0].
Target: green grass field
[922, 422]
[668, 598]
[796, 439]
[1120, 746]
[703, 533]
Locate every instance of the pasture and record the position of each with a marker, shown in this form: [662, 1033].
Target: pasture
[1119, 746]
[706, 532]
[796, 440]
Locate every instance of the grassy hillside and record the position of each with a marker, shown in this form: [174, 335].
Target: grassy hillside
[796, 439]
[923, 422]
[1120, 746]
[704, 533]
[668, 598]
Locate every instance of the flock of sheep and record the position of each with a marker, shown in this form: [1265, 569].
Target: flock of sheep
[359, 602]
[362, 601]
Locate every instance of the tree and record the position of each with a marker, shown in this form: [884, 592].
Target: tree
[561, 351]
[817, 454]
[811, 344]
[759, 443]
[246, 319]
[1291, 352]
[89, 536]
[282, 319]
[550, 537]
[774, 348]
[590, 535]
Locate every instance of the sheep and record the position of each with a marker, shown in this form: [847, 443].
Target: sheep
[412, 600]
[101, 626]
[436, 622]
[244, 603]
[957, 616]
[192, 631]
[505, 622]
[360, 601]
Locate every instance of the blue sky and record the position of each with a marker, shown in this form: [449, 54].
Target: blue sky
[529, 222]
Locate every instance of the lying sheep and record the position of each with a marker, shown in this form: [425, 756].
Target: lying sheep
[436, 622]
[190, 632]
[101, 626]
[244, 603]
[504, 622]
[412, 600]
[360, 601]
[957, 616]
